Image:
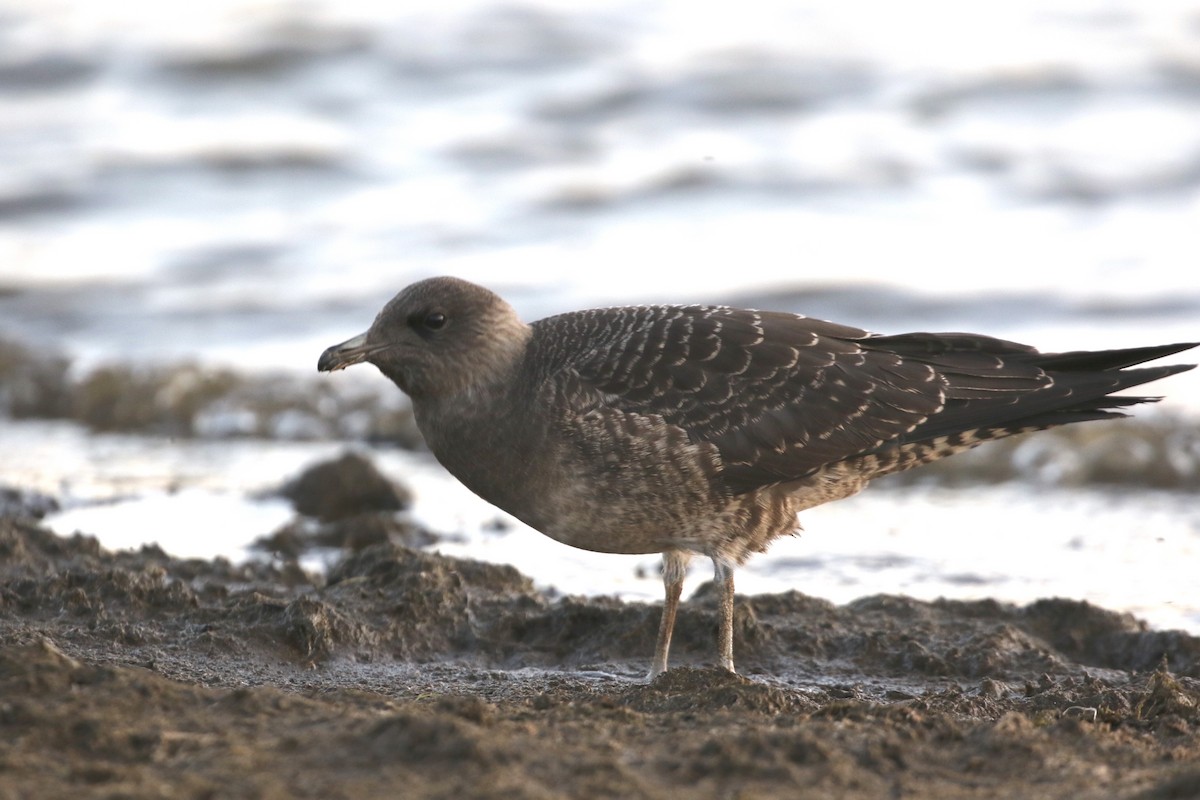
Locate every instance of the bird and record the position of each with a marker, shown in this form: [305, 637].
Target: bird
[703, 430]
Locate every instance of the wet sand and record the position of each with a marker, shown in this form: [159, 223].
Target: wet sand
[407, 674]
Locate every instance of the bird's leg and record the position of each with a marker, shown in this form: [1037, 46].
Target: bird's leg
[723, 575]
[674, 569]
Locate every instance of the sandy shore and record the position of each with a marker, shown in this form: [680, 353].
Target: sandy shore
[405, 674]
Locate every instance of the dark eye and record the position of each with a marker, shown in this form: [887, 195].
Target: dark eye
[426, 322]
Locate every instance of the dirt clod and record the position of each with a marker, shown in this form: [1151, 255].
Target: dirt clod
[345, 487]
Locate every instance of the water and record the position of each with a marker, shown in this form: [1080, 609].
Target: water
[240, 183]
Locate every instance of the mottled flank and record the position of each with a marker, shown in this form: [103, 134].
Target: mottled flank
[704, 429]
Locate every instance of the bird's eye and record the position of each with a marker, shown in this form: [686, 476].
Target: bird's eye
[425, 323]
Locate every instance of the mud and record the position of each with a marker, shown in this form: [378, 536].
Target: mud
[408, 674]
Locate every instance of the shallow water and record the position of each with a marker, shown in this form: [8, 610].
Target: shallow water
[243, 183]
[1129, 550]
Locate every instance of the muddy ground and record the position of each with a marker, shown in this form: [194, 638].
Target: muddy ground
[407, 674]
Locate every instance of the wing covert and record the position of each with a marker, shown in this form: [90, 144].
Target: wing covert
[778, 395]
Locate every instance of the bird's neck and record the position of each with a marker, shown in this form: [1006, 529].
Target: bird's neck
[484, 439]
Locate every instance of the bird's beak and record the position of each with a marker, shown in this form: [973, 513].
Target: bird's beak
[340, 356]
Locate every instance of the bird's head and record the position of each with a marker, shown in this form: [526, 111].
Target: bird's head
[438, 337]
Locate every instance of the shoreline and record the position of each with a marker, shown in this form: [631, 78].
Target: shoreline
[139, 674]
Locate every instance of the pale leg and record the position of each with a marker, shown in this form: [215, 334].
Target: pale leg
[723, 575]
[674, 569]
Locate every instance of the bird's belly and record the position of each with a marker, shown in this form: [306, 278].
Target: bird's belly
[609, 539]
[607, 511]
[635, 529]
[614, 484]
[630, 498]
[607, 516]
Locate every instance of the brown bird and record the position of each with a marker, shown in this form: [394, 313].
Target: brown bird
[705, 429]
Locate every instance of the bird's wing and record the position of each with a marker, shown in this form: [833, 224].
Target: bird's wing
[778, 395]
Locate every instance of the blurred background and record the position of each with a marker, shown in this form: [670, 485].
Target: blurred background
[196, 199]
